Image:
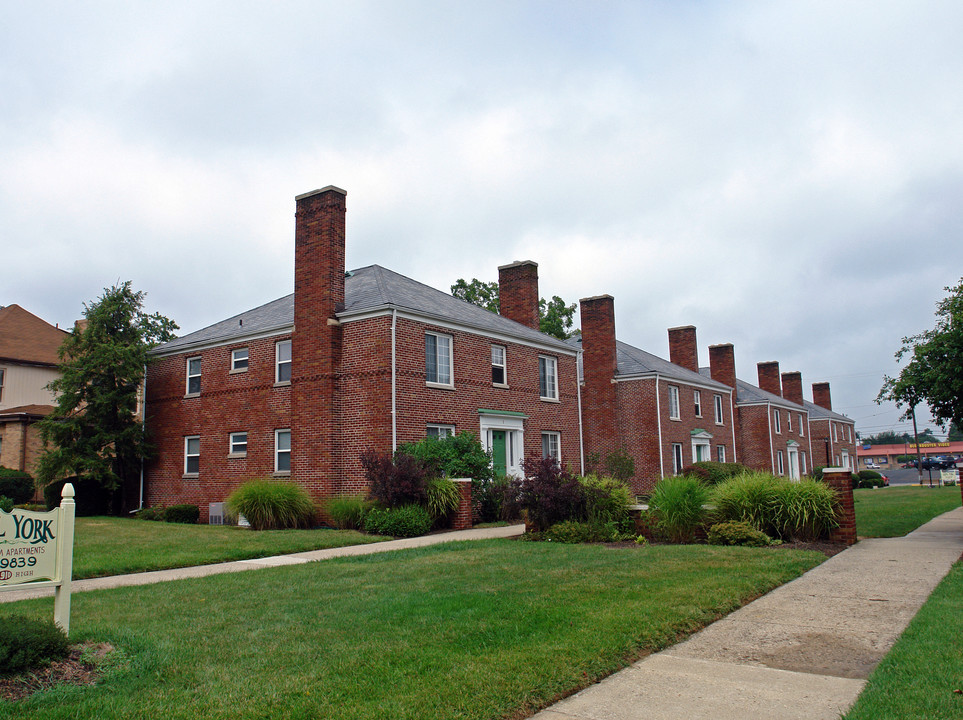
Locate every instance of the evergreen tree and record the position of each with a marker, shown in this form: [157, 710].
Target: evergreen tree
[94, 433]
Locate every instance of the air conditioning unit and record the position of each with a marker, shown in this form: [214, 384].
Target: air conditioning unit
[216, 513]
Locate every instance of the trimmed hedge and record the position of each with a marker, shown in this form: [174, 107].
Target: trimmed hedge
[16, 485]
[737, 533]
[713, 473]
[27, 643]
[405, 521]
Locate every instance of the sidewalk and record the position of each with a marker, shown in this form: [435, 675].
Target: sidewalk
[802, 651]
[157, 576]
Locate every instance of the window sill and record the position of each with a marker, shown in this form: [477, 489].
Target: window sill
[550, 400]
[236, 455]
[500, 385]
[192, 395]
[282, 383]
[439, 386]
[675, 419]
[238, 371]
[282, 473]
[190, 475]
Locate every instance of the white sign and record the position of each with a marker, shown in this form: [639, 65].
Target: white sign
[948, 477]
[38, 547]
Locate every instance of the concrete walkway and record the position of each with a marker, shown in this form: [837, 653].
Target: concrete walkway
[802, 651]
[148, 578]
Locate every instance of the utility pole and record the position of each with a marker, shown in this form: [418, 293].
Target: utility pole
[916, 439]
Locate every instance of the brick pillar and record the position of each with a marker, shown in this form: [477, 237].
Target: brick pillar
[463, 517]
[792, 387]
[769, 377]
[599, 363]
[722, 366]
[518, 292]
[959, 481]
[841, 480]
[683, 347]
[316, 340]
[821, 395]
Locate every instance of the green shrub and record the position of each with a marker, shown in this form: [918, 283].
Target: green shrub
[713, 473]
[878, 482]
[16, 485]
[405, 521]
[678, 506]
[443, 497]
[817, 473]
[272, 505]
[494, 499]
[805, 510]
[455, 456]
[6, 504]
[618, 463]
[737, 533]
[27, 643]
[186, 514]
[749, 497]
[868, 475]
[151, 513]
[607, 500]
[347, 512]
[89, 495]
[574, 532]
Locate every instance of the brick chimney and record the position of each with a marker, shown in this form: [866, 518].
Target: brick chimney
[769, 377]
[316, 341]
[599, 362]
[821, 395]
[722, 366]
[792, 387]
[518, 292]
[683, 348]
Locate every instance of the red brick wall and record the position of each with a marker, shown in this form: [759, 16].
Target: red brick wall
[600, 406]
[769, 377]
[518, 292]
[822, 431]
[792, 389]
[759, 442]
[821, 395]
[684, 348]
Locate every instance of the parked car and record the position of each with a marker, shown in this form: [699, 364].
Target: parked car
[870, 465]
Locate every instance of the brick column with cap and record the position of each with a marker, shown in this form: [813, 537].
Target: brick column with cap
[463, 518]
[841, 480]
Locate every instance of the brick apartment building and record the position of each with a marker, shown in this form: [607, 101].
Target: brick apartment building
[663, 413]
[28, 362]
[833, 435]
[354, 361]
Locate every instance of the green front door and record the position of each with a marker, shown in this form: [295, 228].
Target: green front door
[498, 452]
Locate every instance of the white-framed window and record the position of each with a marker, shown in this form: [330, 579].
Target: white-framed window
[551, 445]
[282, 361]
[780, 463]
[720, 453]
[834, 431]
[1, 383]
[439, 432]
[282, 451]
[788, 421]
[802, 426]
[676, 458]
[547, 378]
[717, 401]
[438, 359]
[837, 464]
[701, 452]
[499, 376]
[239, 359]
[674, 403]
[849, 437]
[697, 402]
[802, 463]
[192, 454]
[776, 420]
[194, 376]
[237, 444]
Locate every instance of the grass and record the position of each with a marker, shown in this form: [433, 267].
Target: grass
[895, 511]
[114, 546]
[492, 629]
[923, 673]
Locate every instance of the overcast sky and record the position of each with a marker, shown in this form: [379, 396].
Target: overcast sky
[785, 176]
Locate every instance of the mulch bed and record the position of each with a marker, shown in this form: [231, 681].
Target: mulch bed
[70, 671]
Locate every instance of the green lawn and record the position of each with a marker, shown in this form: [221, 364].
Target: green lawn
[492, 629]
[895, 511]
[114, 546]
[923, 673]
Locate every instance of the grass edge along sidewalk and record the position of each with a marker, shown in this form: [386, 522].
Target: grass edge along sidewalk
[897, 510]
[490, 629]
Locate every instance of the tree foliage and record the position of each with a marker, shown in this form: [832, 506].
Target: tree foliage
[554, 316]
[93, 432]
[933, 374]
[889, 437]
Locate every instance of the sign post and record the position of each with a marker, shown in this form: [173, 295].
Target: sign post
[38, 548]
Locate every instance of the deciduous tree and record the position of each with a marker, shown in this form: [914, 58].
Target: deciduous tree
[554, 316]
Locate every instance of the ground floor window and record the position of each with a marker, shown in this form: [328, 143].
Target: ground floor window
[282, 451]
[439, 432]
[720, 453]
[780, 463]
[676, 458]
[192, 455]
[550, 445]
[238, 444]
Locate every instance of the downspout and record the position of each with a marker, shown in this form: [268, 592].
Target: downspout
[809, 430]
[579, 360]
[394, 409]
[143, 429]
[732, 424]
[658, 418]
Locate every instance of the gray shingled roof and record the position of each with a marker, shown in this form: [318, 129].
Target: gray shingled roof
[632, 361]
[817, 412]
[751, 394]
[366, 289]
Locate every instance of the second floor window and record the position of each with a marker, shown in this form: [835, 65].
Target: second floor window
[192, 455]
[697, 401]
[498, 365]
[674, 403]
[282, 352]
[547, 378]
[239, 360]
[194, 376]
[718, 407]
[776, 421]
[438, 358]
